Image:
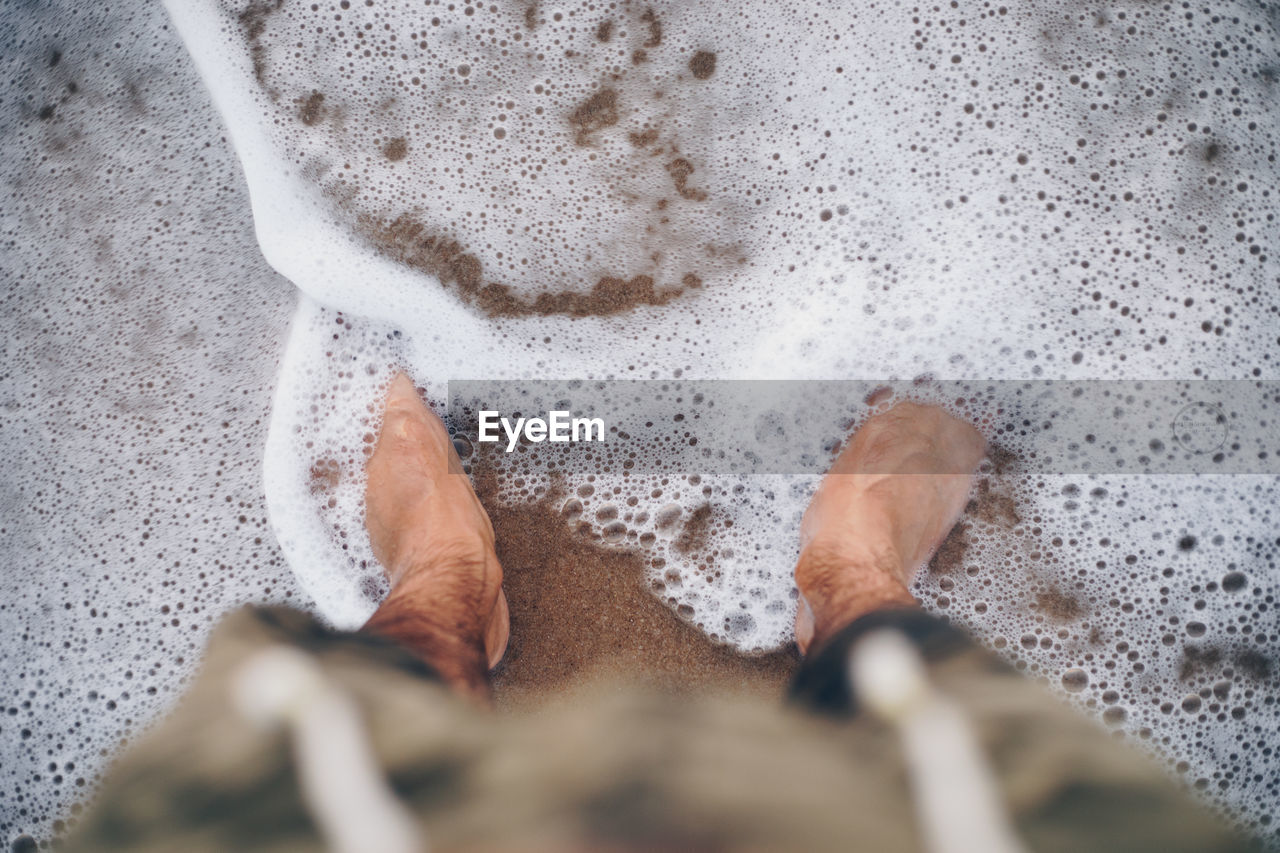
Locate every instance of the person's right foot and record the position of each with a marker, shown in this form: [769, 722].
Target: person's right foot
[888, 501]
[430, 533]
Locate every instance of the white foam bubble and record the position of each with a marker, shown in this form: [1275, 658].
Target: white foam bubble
[890, 191]
[969, 191]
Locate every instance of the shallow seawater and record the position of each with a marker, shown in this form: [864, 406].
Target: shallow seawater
[672, 192]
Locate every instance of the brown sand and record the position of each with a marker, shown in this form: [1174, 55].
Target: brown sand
[397, 149]
[651, 19]
[644, 138]
[680, 170]
[993, 505]
[254, 20]
[703, 64]
[952, 553]
[595, 113]
[311, 109]
[408, 241]
[582, 612]
[1059, 606]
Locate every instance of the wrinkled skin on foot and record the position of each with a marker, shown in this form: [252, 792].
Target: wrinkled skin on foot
[890, 498]
[428, 528]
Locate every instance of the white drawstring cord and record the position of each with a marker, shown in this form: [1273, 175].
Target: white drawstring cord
[341, 782]
[955, 792]
[343, 787]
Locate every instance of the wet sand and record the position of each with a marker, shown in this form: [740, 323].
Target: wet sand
[582, 612]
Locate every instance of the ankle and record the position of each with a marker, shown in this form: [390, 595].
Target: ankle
[840, 582]
[453, 648]
[442, 612]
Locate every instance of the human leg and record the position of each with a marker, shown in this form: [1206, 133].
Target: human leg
[435, 541]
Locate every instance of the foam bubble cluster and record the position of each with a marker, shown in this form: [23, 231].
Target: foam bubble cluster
[778, 190]
[141, 332]
[969, 191]
[874, 192]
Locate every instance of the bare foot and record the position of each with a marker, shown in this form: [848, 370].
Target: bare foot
[891, 497]
[433, 537]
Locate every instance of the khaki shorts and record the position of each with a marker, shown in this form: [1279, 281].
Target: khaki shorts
[613, 768]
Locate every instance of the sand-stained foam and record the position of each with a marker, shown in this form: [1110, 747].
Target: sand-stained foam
[766, 190]
[668, 189]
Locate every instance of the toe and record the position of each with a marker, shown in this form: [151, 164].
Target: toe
[402, 395]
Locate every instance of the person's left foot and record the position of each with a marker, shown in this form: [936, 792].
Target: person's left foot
[891, 496]
[429, 530]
